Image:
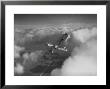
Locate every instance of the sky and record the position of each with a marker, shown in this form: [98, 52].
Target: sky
[56, 19]
[83, 59]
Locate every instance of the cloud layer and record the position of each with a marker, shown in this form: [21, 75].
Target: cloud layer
[83, 60]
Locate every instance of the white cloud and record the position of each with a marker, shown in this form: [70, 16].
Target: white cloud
[83, 60]
[17, 50]
[19, 69]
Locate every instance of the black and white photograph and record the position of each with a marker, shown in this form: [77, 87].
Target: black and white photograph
[55, 44]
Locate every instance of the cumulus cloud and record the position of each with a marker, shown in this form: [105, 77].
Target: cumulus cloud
[19, 69]
[17, 50]
[45, 32]
[35, 55]
[83, 60]
[84, 34]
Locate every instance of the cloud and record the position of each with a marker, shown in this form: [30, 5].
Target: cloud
[34, 56]
[83, 60]
[19, 69]
[17, 50]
